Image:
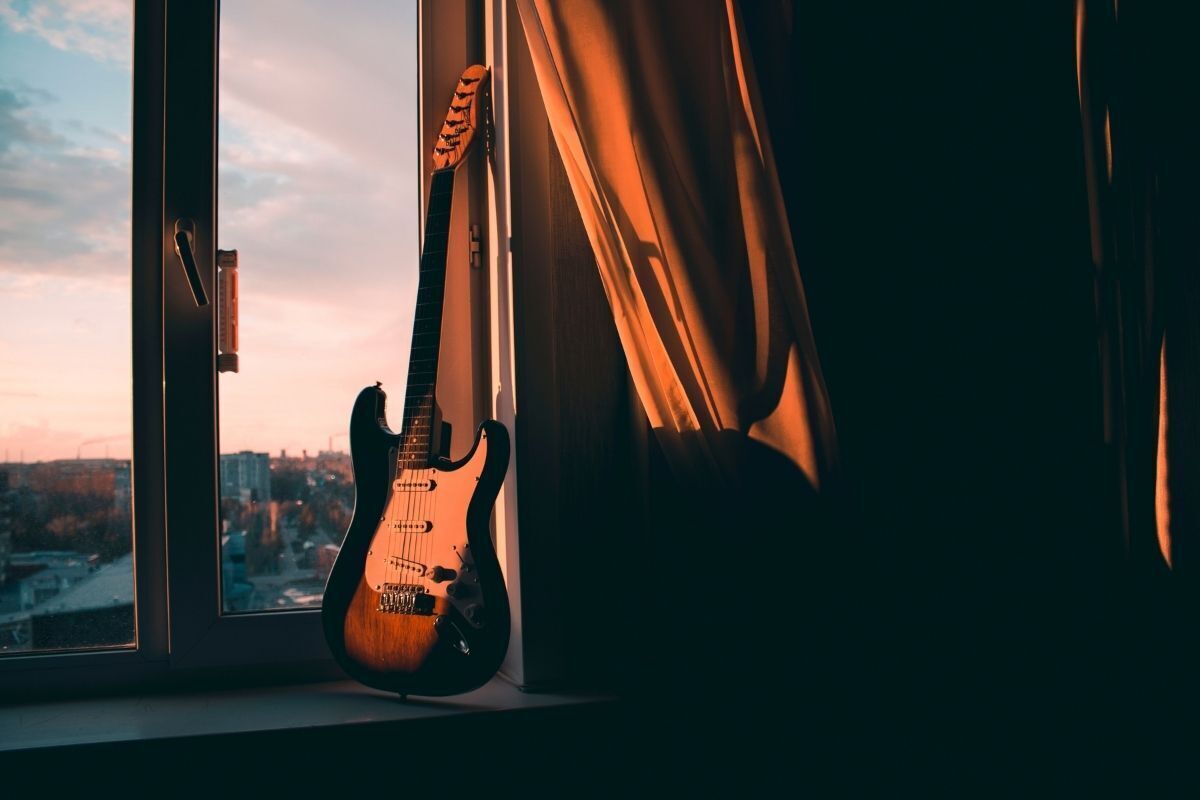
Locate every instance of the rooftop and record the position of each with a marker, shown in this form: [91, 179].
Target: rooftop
[111, 585]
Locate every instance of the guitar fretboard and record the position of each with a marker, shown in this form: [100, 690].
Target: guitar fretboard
[415, 448]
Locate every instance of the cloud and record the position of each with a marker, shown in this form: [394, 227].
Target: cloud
[64, 206]
[291, 62]
[102, 29]
[318, 184]
[17, 126]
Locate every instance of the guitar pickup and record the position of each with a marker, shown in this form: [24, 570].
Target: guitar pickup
[409, 565]
[411, 525]
[401, 485]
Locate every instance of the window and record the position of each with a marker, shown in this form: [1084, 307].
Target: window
[192, 503]
[66, 560]
[318, 190]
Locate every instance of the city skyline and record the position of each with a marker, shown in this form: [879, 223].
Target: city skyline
[317, 157]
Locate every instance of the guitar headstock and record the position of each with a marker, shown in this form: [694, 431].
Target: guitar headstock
[464, 119]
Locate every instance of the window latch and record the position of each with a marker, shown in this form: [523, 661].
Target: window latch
[476, 248]
[227, 310]
[185, 230]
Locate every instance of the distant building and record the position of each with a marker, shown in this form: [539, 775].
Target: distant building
[334, 465]
[108, 477]
[246, 476]
[236, 590]
[41, 575]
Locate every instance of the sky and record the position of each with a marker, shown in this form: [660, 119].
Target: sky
[317, 190]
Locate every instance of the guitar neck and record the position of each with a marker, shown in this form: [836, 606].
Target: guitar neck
[416, 434]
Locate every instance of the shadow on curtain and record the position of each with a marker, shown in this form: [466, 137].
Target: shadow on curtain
[655, 111]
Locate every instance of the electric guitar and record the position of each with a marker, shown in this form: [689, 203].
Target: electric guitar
[415, 602]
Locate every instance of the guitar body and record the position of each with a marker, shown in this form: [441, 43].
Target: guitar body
[388, 624]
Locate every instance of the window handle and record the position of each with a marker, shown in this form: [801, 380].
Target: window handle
[227, 310]
[184, 229]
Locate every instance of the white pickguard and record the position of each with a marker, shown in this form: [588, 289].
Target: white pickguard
[424, 525]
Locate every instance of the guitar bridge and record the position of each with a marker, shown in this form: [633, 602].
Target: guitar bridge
[404, 598]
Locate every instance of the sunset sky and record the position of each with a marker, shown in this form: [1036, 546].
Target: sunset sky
[318, 190]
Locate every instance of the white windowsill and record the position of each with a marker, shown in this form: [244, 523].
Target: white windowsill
[254, 710]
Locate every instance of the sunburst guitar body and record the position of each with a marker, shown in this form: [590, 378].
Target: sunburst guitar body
[415, 602]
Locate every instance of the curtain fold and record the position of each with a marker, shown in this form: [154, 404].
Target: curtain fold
[655, 111]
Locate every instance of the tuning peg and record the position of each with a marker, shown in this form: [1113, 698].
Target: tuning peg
[468, 81]
[461, 108]
[463, 95]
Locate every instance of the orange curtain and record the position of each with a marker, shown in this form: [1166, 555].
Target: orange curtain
[655, 111]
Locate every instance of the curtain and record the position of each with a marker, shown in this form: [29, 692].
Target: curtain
[654, 108]
[1135, 72]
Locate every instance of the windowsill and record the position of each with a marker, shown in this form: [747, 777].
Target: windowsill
[341, 705]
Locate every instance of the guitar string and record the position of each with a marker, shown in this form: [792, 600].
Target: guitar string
[416, 448]
[417, 546]
[427, 505]
[389, 526]
[418, 420]
[437, 283]
[409, 487]
[431, 504]
[413, 480]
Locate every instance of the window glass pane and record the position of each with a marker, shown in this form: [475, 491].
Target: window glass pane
[66, 566]
[318, 192]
